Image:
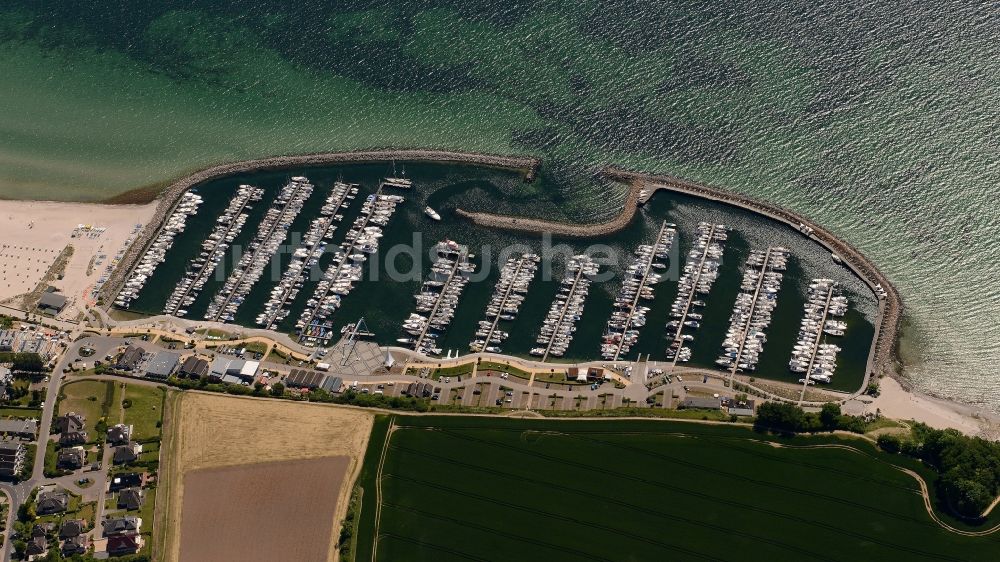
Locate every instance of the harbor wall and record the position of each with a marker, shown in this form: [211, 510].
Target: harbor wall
[881, 356]
[170, 196]
[643, 186]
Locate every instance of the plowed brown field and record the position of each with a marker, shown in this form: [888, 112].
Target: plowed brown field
[211, 431]
[261, 512]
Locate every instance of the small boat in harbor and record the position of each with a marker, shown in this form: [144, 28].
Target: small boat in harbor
[432, 213]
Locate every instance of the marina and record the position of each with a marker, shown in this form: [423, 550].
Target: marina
[752, 312]
[699, 274]
[515, 277]
[638, 284]
[811, 355]
[272, 232]
[307, 255]
[198, 270]
[567, 309]
[438, 297]
[362, 240]
[156, 254]
[393, 279]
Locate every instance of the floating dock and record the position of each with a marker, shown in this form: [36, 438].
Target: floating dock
[272, 232]
[700, 272]
[559, 324]
[227, 228]
[515, 277]
[638, 284]
[751, 314]
[307, 255]
[346, 269]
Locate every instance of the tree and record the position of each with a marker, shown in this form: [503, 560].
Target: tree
[889, 443]
[277, 389]
[779, 417]
[829, 416]
[26, 512]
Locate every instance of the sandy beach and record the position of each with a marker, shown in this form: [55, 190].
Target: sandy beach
[34, 233]
[897, 402]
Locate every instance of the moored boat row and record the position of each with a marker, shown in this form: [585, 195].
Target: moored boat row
[272, 232]
[810, 355]
[557, 329]
[751, 314]
[306, 256]
[157, 251]
[699, 274]
[622, 330]
[515, 277]
[438, 297]
[199, 270]
[346, 268]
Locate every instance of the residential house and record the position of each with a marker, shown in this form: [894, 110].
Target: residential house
[130, 358]
[71, 528]
[51, 502]
[7, 338]
[75, 545]
[120, 545]
[122, 525]
[131, 498]
[71, 458]
[124, 480]
[25, 429]
[11, 458]
[37, 546]
[119, 434]
[194, 367]
[41, 529]
[126, 454]
[162, 365]
[71, 429]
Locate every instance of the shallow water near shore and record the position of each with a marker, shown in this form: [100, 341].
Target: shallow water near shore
[385, 300]
[875, 119]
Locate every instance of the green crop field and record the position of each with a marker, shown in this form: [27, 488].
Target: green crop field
[499, 489]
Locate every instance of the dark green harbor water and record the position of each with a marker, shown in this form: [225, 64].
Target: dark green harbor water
[385, 297]
[877, 119]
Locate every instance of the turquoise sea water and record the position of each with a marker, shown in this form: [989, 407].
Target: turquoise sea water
[877, 119]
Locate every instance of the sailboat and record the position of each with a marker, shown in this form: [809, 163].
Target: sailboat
[399, 182]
